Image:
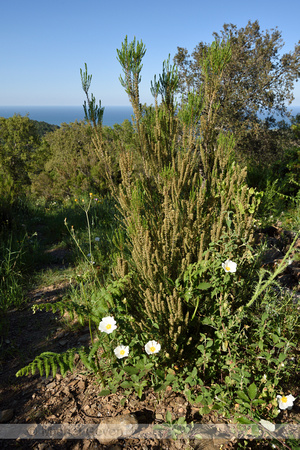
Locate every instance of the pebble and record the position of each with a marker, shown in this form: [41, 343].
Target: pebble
[51, 385]
[112, 428]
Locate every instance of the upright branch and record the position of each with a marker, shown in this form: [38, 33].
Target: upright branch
[130, 57]
[94, 116]
[93, 113]
[167, 84]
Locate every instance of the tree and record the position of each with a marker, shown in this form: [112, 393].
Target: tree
[257, 79]
[19, 145]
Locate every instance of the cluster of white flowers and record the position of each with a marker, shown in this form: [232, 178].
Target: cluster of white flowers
[108, 325]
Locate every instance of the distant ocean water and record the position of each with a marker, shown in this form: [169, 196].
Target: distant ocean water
[56, 115]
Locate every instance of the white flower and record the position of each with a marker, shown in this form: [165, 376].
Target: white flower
[97, 239]
[152, 347]
[107, 325]
[229, 266]
[121, 351]
[285, 402]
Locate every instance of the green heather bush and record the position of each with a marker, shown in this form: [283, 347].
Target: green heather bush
[187, 304]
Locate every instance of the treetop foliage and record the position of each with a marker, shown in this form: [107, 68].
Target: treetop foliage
[258, 78]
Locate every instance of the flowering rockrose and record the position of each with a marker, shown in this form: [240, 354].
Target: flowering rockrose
[229, 266]
[285, 402]
[107, 325]
[121, 351]
[152, 347]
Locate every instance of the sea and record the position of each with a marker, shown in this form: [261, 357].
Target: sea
[56, 115]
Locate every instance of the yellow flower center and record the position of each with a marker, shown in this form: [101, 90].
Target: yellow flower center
[227, 268]
[283, 399]
[108, 326]
[152, 349]
[122, 352]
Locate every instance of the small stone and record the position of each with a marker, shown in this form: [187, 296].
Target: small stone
[6, 415]
[159, 416]
[83, 338]
[114, 427]
[51, 385]
[63, 342]
[81, 385]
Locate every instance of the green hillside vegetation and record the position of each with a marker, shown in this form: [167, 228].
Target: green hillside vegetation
[161, 216]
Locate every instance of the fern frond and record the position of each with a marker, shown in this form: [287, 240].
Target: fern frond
[84, 355]
[50, 360]
[62, 307]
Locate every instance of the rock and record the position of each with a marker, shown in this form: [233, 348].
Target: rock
[112, 428]
[81, 385]
[6, 415]
[51, 385]
[84, 338]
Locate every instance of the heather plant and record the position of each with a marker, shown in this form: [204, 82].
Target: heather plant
[186, 306]
[180, 201]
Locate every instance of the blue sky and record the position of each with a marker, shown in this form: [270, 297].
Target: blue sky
[45, 43]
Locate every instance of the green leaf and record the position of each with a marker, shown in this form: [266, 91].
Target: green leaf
[168, 417]
[197, 436]
[243, 396]
[244, 420]
[204, 410]
[252, 391]
[204, 286]
[104, 392]
[199, 399]
[258, 401]
[281, 357]
[139, 391]
[209, 343]
[131, 370]
[126, 384]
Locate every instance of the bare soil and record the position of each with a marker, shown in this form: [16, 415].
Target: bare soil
[74, 399]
